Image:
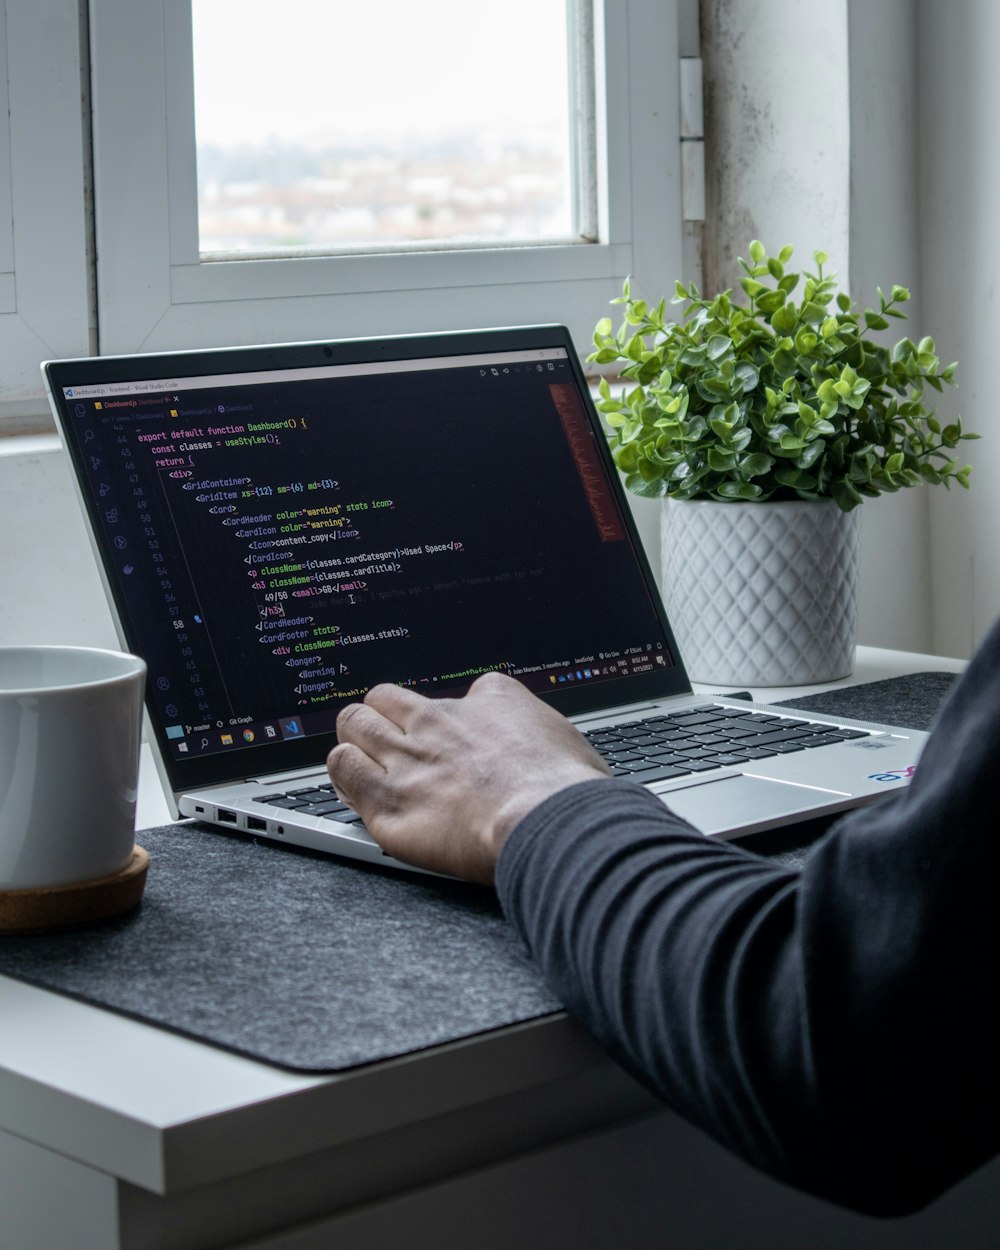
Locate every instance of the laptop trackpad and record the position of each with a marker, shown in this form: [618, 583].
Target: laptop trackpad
[743, 804]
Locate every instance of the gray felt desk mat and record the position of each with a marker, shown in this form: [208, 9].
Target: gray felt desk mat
[314, 964]
[297, 959]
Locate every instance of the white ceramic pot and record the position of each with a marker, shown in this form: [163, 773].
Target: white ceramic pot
[761, 594]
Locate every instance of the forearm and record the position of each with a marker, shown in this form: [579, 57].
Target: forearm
[795, 1019]
[677, 952]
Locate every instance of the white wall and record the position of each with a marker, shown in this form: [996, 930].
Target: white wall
[959, 184]
[50, 591]
[885, 249]
[811, 118]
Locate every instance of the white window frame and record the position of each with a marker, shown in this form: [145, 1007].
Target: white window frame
[45, 306]
[155, 293]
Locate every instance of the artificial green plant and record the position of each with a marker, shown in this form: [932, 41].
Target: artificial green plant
[773, 398]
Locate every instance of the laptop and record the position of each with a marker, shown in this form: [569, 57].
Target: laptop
[279, 528]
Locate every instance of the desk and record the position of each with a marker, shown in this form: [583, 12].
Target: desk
[115, 1134]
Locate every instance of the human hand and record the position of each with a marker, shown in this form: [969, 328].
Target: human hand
[440, 783]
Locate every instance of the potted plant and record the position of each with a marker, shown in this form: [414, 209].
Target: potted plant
[779, 401]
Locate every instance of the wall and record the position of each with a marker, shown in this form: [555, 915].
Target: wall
[959, 185]
[777, 131]
[50, 590]
[885, 249]
[929, 579]
[812, 141]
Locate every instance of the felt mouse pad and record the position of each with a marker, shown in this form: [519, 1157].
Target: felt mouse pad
[912, 700]
[316, 964]
[292, 957]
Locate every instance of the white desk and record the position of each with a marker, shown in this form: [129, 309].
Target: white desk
[116, 1134]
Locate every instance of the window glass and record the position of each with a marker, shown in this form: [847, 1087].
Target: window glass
[329, 126]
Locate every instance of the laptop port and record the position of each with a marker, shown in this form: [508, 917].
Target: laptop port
[227, 818]
[256, 825]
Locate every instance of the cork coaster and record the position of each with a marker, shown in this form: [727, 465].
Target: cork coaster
[63, 906]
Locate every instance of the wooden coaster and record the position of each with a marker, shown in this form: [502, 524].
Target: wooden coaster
[62, 906]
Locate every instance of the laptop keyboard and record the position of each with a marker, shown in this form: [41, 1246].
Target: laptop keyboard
[662, 747]
[655, 749]
[318, 800]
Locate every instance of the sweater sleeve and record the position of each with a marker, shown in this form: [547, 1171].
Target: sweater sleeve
[838, 1028]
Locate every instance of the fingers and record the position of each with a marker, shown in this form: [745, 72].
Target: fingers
[370, 739]
[353, 773]
[366, 726]
[442, 782]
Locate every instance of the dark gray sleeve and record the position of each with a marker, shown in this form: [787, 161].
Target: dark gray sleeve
[839, 1029]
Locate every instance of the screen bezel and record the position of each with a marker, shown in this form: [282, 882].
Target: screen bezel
[295, 754]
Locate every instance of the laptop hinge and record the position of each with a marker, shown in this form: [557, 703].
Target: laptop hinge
[624, 709]
[280, 778]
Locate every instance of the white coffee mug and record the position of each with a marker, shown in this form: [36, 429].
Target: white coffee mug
[70, 730]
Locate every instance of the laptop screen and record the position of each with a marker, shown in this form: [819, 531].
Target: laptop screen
[284, 528]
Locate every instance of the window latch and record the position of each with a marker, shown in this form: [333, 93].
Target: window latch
[692, 139]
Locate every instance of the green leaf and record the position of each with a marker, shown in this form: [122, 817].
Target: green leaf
[646, 488]
[791, 442]
[723, 430]
[770, 302]
[755, 464]
[753, 288]
[718, 345]
[739, 490]
[751, 389]
[845, 494]
[812, 452]
[721, 461]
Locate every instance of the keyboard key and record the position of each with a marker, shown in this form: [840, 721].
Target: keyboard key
[658, 772]
[328, 808]
[345, 817]
[780, 735]
[693, 718]
[665, 757]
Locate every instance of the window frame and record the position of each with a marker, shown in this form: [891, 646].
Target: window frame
[155, 293]
[45, 291]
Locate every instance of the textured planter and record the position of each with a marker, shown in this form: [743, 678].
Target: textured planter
[761, 594]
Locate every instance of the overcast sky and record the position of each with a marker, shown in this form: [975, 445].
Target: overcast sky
[298, 68]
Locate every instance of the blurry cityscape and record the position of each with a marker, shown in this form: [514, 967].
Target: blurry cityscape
[490, 184]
